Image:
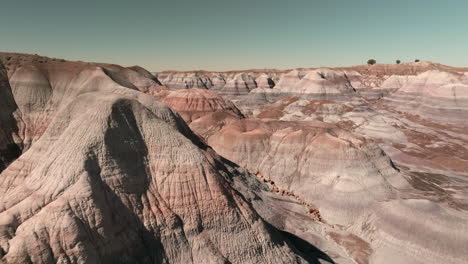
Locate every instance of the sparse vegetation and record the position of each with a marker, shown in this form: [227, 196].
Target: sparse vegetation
[398, 61]
[416, 60]
[371, 62]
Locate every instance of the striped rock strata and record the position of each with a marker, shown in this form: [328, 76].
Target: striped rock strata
[114, 176]
[194, 103]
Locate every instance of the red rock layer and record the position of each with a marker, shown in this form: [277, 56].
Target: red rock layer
[194, 103]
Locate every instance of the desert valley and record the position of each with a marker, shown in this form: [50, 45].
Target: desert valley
[101, 163]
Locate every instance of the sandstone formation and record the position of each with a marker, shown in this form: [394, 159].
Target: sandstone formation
[10, 148]
[218, 83]
[145, 73]
[195, 103]
[396, 81]
[229, 83]
[368, 78]
[349, 181]
[213, 122]
[33, 78]
[297, 109]
[264, 81]
[323, 83]
[113, 176]
[241, 84]
[187, 80]
[315, 160]
[290, 79]
[314, 84]
[436, 95]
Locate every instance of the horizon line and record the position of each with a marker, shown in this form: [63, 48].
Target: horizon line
[234, 70]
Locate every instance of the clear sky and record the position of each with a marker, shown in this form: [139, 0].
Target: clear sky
[238, 34]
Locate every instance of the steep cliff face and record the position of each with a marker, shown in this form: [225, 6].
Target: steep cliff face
[10, 142]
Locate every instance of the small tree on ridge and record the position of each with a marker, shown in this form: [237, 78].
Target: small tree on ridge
[371, 62]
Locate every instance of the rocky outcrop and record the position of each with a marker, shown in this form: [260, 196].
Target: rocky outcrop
[39, 87]
[194, 103]
[211, 123]
[264, 81]
[340, 168]
[10, 143]
[314, 84]
[349, 184]
[218, 83]
[323, 83]
[114, 176]
[290, 79]
[240, 84]
[183, 80]
[435, 95]
[297, 109]
[145, 73]
[396, 81]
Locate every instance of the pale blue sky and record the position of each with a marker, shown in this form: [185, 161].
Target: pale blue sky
[238, 34]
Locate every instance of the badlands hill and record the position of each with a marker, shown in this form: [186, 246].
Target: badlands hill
[364, 75]
[406, 153]
[265, 86]
[120, 175]
[346, 180]
[194, 103]
[101, 163]
[437, 95]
